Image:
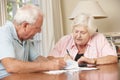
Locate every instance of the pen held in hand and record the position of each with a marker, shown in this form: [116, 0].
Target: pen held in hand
[68, 54]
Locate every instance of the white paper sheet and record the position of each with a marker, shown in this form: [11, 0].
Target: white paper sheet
[69, 70]
[87, 68]
[71, 66]
[55, 71]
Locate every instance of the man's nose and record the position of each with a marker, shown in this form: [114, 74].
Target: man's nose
[39, 30]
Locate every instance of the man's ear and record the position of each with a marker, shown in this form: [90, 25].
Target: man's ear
[24, 24]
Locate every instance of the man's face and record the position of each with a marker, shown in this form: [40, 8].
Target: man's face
[81, 35]
[27, 31]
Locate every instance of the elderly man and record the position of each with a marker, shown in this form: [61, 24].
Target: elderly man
[17, 52]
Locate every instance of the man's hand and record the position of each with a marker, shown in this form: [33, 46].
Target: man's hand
[56, 64]
[51, 62]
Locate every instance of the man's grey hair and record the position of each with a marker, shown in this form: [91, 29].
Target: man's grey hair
[28, 13]
[84, 20]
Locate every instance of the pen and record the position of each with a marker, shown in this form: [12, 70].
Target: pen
[68, 53]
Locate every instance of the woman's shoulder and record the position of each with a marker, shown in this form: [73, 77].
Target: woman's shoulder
[98, 38]
[98, 35]
[67, 37]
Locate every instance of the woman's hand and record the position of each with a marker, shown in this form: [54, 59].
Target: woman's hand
[67, 57]
[86, 60]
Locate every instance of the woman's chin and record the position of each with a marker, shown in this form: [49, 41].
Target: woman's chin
[79, 43]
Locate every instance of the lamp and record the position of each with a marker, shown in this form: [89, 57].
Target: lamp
[90, 7]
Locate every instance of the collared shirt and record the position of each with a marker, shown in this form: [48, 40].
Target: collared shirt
[97, 46]
[11, 46]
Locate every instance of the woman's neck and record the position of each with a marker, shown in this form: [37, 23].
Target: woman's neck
[81, 48]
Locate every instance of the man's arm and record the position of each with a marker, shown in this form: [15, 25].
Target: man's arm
[39, 58]
[61, 60]
[17, 66]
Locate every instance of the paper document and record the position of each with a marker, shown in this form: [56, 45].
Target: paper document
[55, 71]
[87, 68]
[69, 70]
[71, 66]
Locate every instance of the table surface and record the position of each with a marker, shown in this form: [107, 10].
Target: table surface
[105, 72]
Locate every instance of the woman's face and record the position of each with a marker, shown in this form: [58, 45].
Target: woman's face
[81, 35]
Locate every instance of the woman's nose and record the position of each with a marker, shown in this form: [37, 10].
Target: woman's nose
[78, 35]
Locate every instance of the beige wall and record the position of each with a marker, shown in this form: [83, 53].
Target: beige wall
[110, 24]
[67, 7]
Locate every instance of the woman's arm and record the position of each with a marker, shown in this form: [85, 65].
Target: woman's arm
[98, 61]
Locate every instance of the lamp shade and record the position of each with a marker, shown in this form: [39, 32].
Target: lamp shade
[90, 7]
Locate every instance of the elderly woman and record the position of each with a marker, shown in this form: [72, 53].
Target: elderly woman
[85, 44]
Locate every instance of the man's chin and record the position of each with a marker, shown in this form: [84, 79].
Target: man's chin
[26, 38]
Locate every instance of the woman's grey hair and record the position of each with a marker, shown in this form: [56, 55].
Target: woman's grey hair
[84, 20]
[28, 13]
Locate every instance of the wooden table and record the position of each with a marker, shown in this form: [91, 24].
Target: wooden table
[105, 72]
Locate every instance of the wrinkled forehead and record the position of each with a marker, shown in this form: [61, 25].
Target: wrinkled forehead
[80, 27]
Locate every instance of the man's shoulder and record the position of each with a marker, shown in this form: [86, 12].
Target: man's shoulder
[5, 28]
[6, 33]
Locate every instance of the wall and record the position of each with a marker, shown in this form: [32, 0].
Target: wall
[110, 24]
[67, 7]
